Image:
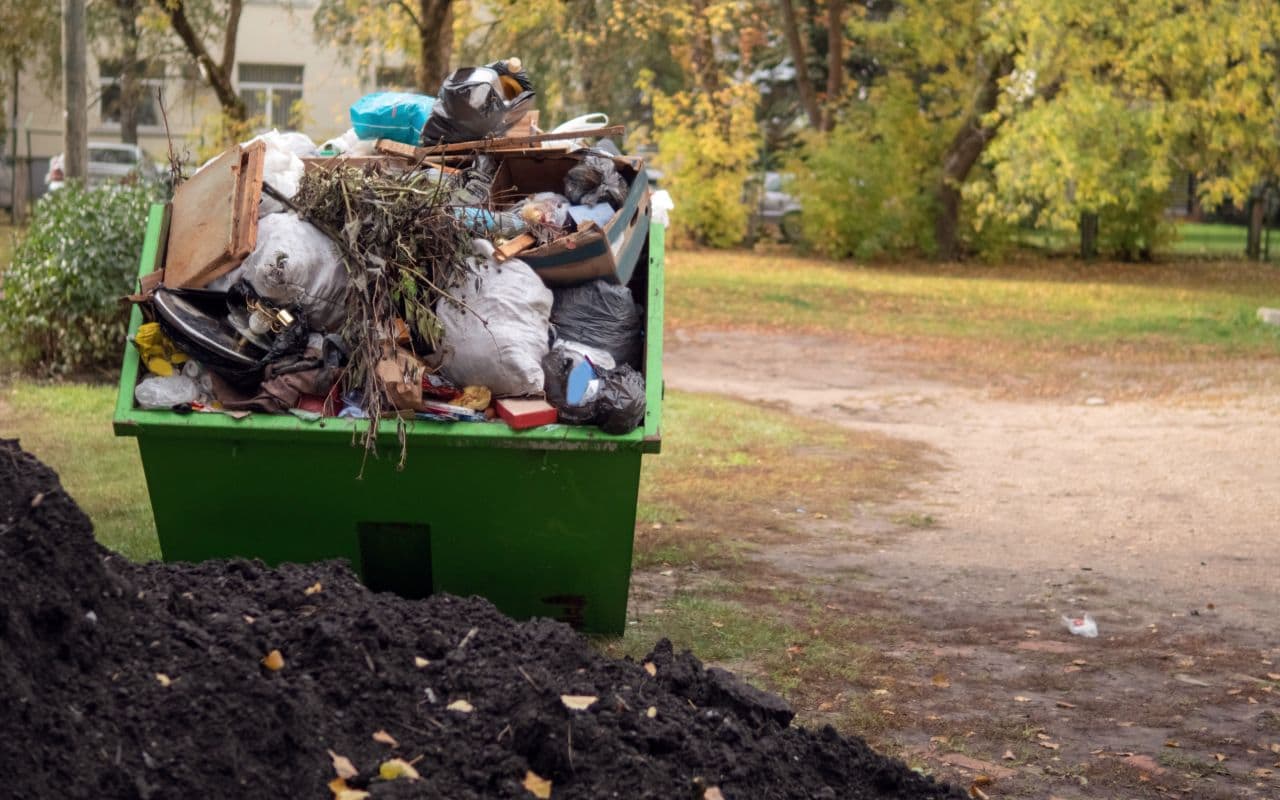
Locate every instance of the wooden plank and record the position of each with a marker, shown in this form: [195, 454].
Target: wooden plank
[200, 232]
[508, 142]
[514, 247]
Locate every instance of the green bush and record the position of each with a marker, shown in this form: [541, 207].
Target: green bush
[868, 186]
[61, 309]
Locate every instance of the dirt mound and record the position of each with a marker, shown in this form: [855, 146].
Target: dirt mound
[127, 681]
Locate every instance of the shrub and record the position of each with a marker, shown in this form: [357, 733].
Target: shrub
[61, 310]
[868, 186]
[709, 144]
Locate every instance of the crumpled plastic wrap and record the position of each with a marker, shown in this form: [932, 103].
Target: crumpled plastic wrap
[593, 180]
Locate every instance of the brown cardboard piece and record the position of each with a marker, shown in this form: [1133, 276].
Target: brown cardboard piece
[214, 224]
[401, 373]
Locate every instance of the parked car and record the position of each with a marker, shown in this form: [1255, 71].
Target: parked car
[776, 209]
[108, 161]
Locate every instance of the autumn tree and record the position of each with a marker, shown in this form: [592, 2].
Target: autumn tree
[30, 43]
[420, 30]
[206, 28]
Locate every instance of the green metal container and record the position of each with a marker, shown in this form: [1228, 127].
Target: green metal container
[540, 522]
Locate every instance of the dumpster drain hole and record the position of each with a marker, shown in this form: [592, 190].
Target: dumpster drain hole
[396, 557]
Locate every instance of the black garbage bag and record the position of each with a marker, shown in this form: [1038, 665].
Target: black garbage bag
[476, 103]
[593, 180]
[600, 314]
[615, 401]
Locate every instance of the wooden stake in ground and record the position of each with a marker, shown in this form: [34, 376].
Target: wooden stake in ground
[75, 145]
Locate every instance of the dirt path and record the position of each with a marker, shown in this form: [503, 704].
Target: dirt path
[1159, 516]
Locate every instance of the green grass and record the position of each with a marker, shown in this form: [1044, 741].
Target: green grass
[1056, 304]
[68, 426]
[1211, 239]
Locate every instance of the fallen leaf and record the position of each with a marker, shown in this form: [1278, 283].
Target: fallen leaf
[1253, 701]
[1261, 772]
[248, 619]
[537, 785]
[717, 623]
[578, 702]
[1171, 743]
[713, 793]
[351, 794]
[941, 681]
[461, 706]
[1234, 691]
[312, 589]
[1124, 724]
[1008, 755]
[651, 668]
[1275, 748]
[1219, 757]
[420, 662]
[983, 779]
[1071, 668]
[397, 768]
[1021, 698]
[1032, 632]
[819, 515]
[1080, 662]
[163, 679]
[652, 712]
[826, 705]
[1049, 745]
[1064, 704]
[385, 738]
[343, 766]
[879, 691]
[1044, 737]
[273, 661]
[977, 793]
[1273, 676]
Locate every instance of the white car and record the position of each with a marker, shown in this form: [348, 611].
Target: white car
[108, 161]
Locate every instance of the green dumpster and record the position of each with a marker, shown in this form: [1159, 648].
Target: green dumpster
[540, 522]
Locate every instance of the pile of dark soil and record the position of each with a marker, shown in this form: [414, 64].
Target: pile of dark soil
[127, 681]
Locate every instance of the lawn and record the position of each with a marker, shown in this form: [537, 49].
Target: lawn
[1211, 239]
[1188, 307]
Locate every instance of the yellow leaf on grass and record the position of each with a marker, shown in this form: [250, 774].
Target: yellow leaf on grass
[1219, 757]
[578, 702]
[273, 661]
[941, 681]
[385, 738]
[397, 768]
[163, 679]
[420, 662]
[461, 706]
[312, 589]
[651, 668]
[343, 766]
[341, 791]
[537, 785]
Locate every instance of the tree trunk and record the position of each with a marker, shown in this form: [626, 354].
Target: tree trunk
[218, 76]
[703, 51]
[835, 60]
[435, 44]
[1257, 213]
[795, 43]
[130, 70]
[1088, 234]
[961, 154]
[75, 147]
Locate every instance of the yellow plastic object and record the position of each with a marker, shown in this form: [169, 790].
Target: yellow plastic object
[158, 352]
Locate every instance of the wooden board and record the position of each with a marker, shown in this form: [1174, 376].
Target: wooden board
[483, 145]
[214, 224]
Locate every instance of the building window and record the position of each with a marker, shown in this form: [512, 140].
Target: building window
[395, 79]
[109, 89]
[272, 92]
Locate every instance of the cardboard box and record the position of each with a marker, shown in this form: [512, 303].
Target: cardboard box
[610, 253]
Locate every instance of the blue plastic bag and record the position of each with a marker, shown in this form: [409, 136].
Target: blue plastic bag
[398, 116]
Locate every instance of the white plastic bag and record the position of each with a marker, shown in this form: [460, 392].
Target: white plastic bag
[294, 263]
[281, 166]
[662, 205]
[499, 339]
[164, 392]
[1082, 626]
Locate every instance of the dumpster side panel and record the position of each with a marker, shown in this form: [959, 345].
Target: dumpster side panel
[539, 533]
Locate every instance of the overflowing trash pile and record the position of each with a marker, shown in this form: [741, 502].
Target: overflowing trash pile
[229, 679]
[443, 260]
